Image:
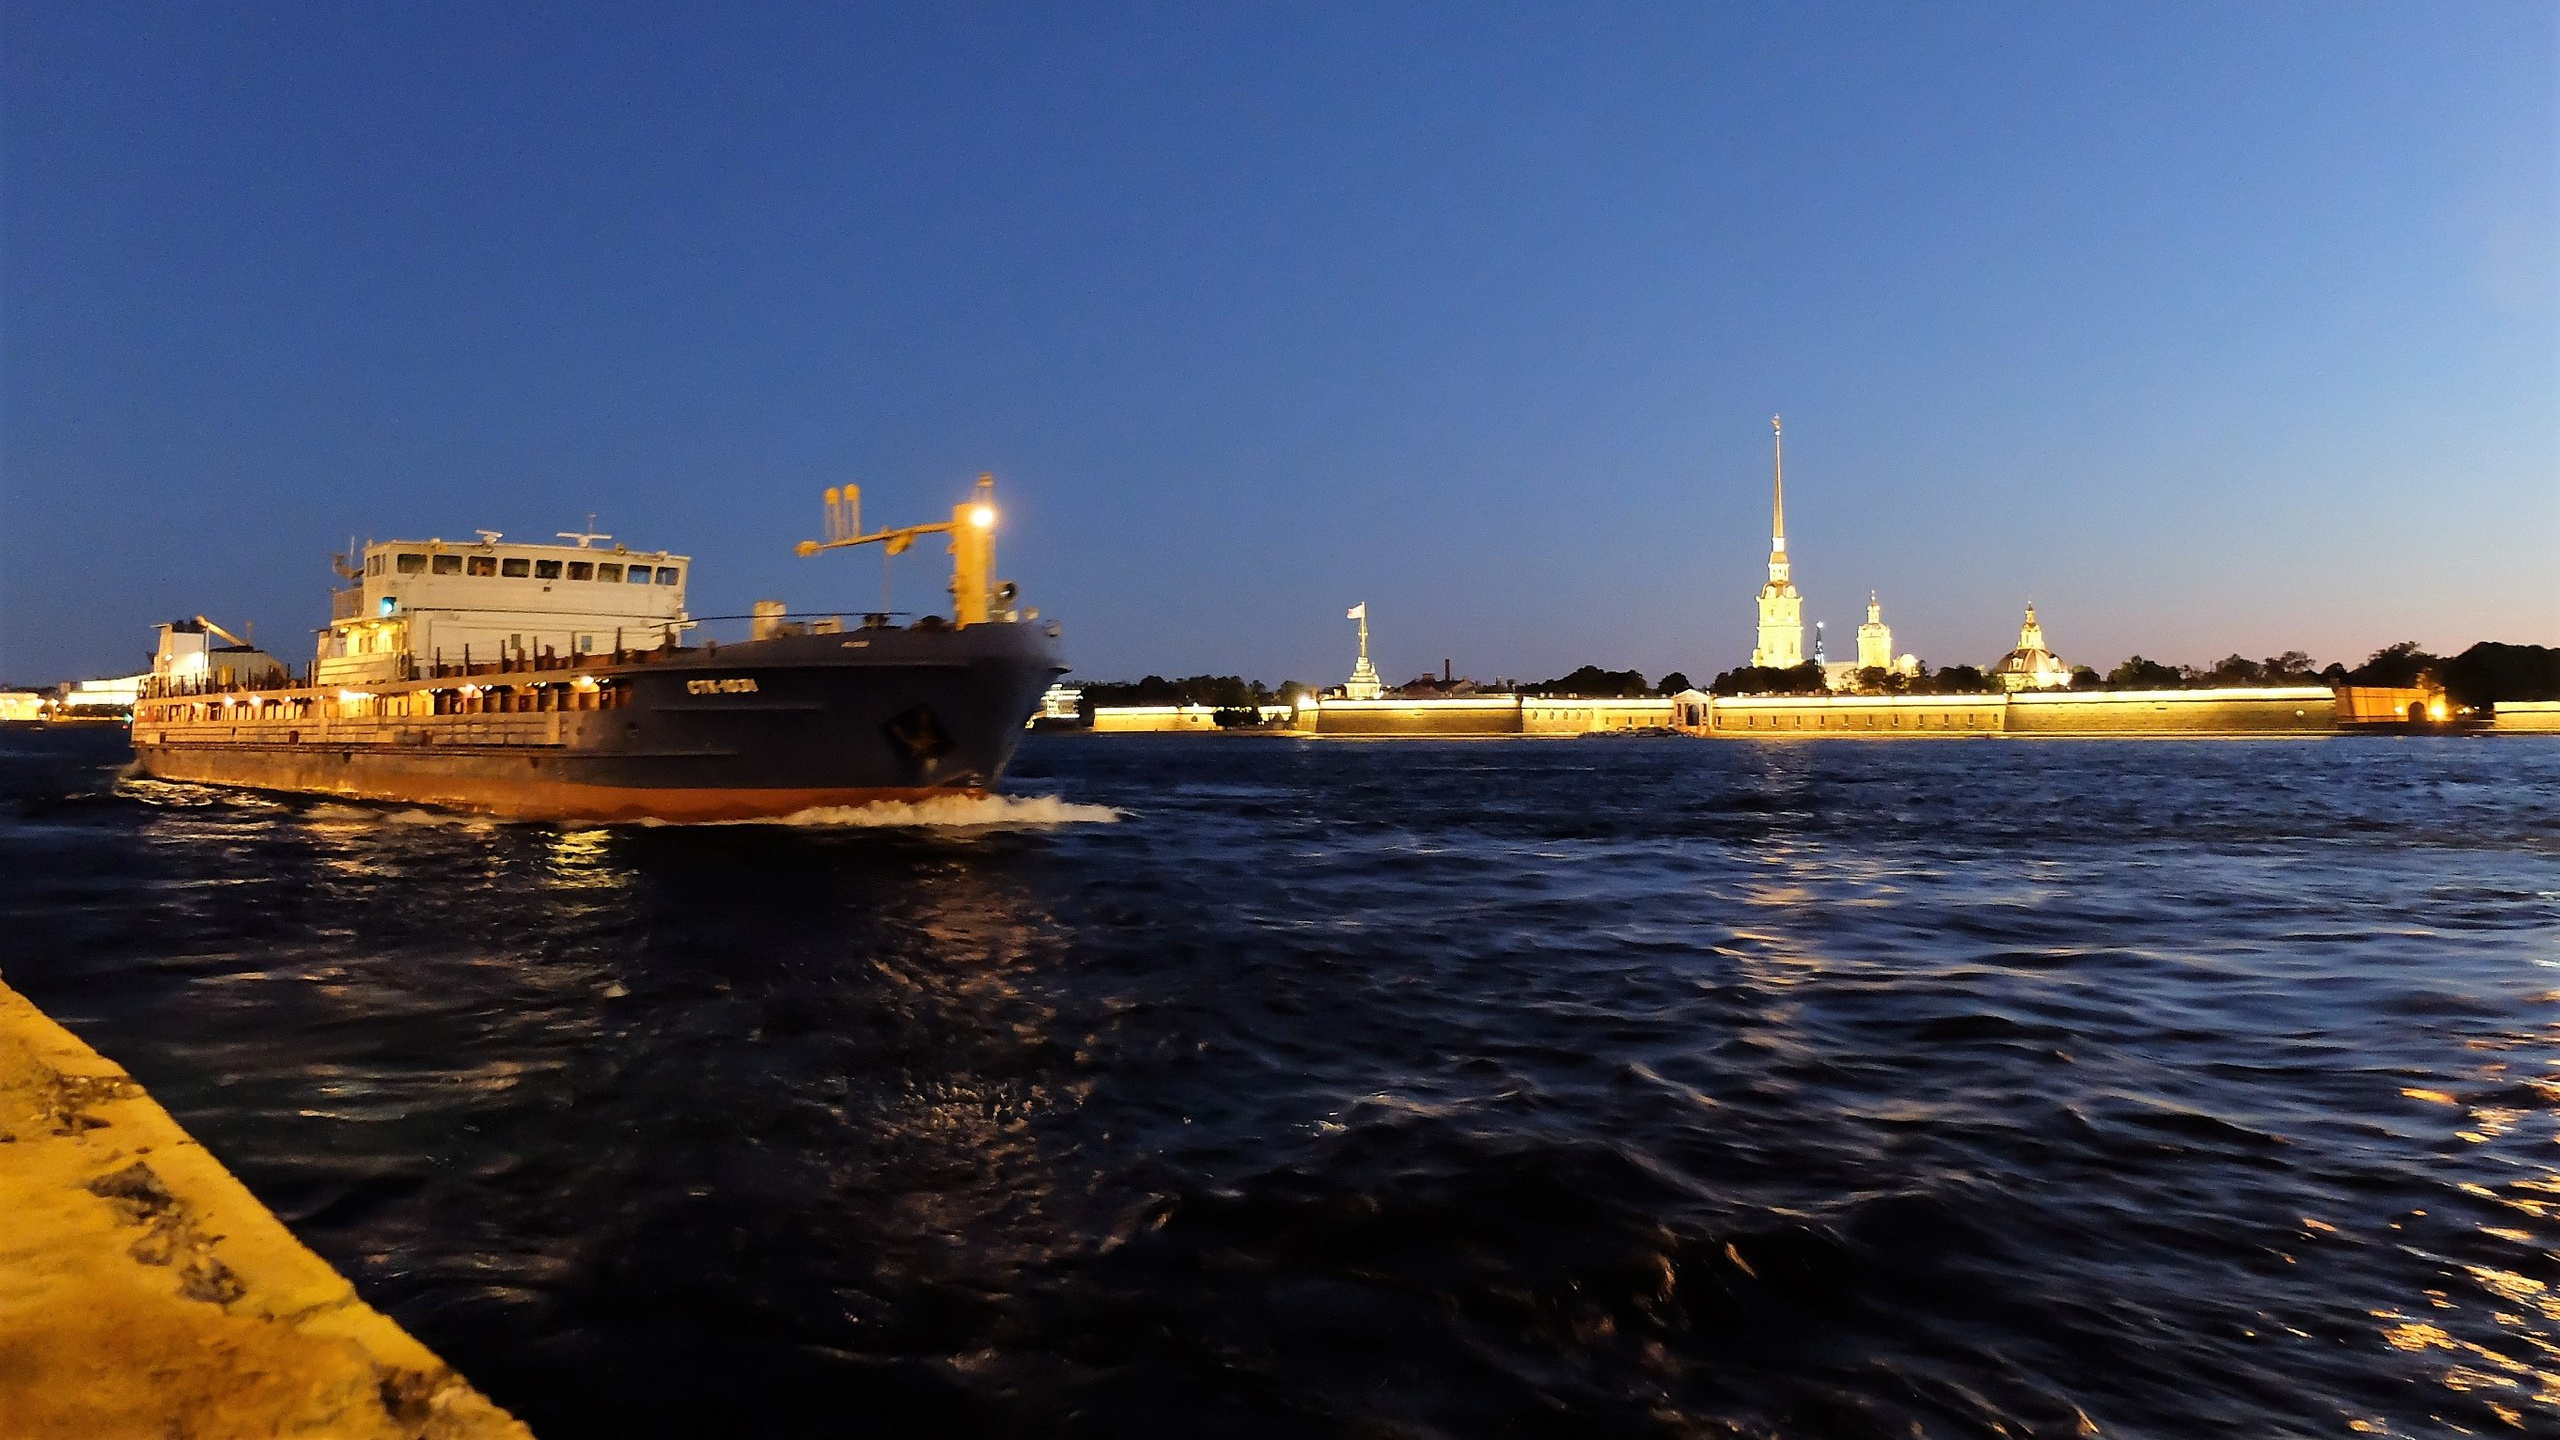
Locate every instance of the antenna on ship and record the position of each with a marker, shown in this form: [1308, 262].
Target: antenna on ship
[586, 538]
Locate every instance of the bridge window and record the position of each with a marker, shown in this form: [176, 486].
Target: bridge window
[373, 564]
[581, 570]
[609, 572]
[448, 564]
[639, 574]
[666, 574]
[484, 564]
[546, 569]
[412, 564]
[515, 568]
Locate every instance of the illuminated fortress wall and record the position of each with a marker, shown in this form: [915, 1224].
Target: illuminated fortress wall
[2288, 710]
[1470, 715]
[2293, 709]
[1540, 715]
[1491, 715]
[2528, 717]
[1879, 716]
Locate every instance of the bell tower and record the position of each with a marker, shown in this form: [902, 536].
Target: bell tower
[1875, 638]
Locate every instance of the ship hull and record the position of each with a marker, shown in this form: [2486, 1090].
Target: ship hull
[483, 785]
[762, 729]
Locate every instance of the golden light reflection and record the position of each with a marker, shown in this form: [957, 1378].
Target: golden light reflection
[2513, 1367]
[583, 860]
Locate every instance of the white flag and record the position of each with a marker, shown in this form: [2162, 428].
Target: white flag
[1358, 612]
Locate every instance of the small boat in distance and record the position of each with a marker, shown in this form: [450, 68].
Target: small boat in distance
[555, 681]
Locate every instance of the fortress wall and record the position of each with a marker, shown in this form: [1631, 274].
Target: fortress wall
[1540, 715]
[1870, 716]
[2287, 710]
[1472, 715]
[2295, 709]
[2380, 705]
[1152, 719]
[2528, 717]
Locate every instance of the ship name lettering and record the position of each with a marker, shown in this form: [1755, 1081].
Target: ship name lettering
[742, 686]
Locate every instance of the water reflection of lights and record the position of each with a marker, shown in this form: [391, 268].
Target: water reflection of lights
[2512, 1363]
[583, 860]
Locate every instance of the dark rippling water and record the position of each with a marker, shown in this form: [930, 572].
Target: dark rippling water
[1574, 1088]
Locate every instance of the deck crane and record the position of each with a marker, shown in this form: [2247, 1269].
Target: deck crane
[975, 596]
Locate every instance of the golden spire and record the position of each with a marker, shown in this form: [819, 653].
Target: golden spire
[1778, 503]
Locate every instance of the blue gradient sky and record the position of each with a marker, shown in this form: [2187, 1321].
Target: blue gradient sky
[2212, 328]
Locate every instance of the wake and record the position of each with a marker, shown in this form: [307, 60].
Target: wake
[942, 812]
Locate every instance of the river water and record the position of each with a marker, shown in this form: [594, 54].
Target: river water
[1239, 1086]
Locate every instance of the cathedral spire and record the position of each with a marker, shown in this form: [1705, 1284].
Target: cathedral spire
[1778, 493]
[1781, 608]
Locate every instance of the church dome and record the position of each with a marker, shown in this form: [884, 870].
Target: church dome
[2031, 666]
[2030, 662]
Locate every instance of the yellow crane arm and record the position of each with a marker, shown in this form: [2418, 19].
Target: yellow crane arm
[218, 630]
[971, 528]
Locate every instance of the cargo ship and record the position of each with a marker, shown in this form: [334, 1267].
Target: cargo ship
[565, 681]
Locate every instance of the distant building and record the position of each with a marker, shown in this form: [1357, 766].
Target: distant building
[1781, 644]
[1061, 702]
[97, 697]
[1445, 685]
[1875, 642]
[21, 705]
[1875, 650]
[2031, 666]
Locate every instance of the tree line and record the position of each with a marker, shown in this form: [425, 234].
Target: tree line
[2485, 674]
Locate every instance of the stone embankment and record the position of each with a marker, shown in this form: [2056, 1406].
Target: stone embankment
[144, 1292]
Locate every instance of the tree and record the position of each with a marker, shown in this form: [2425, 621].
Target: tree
[2085, 678]
[2233, 670]
[1962, 680]
[1672, 684]
[2489, 672]
[1592, 682]
[2397, 666]
[1804, 679]
[1221, 690]
[2140, 674]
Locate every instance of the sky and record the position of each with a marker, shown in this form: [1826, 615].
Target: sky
[2207, 327]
